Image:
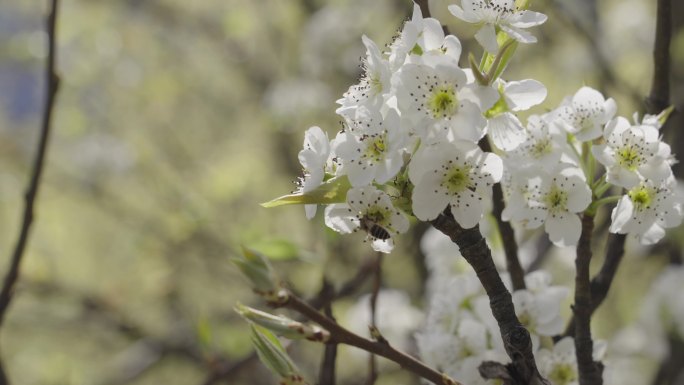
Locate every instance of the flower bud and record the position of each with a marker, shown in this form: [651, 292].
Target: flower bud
[283, 326]
[273, 355]
[258, 270]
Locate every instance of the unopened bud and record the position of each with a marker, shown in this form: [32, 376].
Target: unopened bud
[283, 326]
[264, 281]
[273, 355]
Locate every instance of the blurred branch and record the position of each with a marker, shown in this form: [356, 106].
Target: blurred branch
[51, 86]
[327, 372]
[605, 68]
[377, 282]
[659, 97]
[543, 246]
[523, 368]
[590, 372]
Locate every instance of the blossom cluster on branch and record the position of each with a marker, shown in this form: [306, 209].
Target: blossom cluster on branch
[424, 137]
[409, 146]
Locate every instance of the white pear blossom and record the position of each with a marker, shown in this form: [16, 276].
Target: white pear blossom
[374, 85]
[550, 198]
[560, 364]
[422, 37]
[538, 307]
[440, 104]
[503, 127]
[632, 153]
[585, 114]
[498, 13]
[544, 146]
[313, 158]
[647, 210]
[373, 151]
[370, 210]
[455, 174]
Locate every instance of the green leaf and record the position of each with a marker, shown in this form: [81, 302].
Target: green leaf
[203, 330]
[276, 249]
[332, 191]
[271, 352]
[257, 269]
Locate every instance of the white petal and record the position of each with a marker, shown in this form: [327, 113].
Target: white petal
[506, 131]
[652, 235]
[519, 34]
[468, 210]
[564, 229]
[524, 94]
[383, 246]
[338, 218]
[604, 154]
[310, 211]
[621, 215]
[610, 108]
[466, 15]
[579, 197]
[526, 19]
[486, 36]
[468, 124]
[492, 164]
[453, 47]
[429, 200]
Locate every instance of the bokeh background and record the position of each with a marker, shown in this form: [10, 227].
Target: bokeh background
[175, 119]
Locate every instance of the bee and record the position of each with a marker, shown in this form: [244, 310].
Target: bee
[373, 229]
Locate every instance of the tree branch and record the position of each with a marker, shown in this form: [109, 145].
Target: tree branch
[589, 371]
[659, 97]
[326, 375]
[506, 231]
[600, 284]
[52, 84]
[340, 335]
[517, 342]
[377, 282]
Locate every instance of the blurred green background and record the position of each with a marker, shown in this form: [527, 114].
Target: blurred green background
[175, 119]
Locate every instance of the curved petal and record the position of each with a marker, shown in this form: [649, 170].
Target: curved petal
[519, 34]
[486, 36]
[429, 200]
[465, 15]
[506, 131]
[563, 229]
[526, 19]
[522, 95]
[467, 209]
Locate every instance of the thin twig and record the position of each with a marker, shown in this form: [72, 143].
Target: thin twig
[523, 369]
[589, 371]
[327, 373]
[324, 298]
[52, 84]
[341, 335]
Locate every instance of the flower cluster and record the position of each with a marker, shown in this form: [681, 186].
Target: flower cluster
[460, 331]
[552, 176]
[413, 134]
